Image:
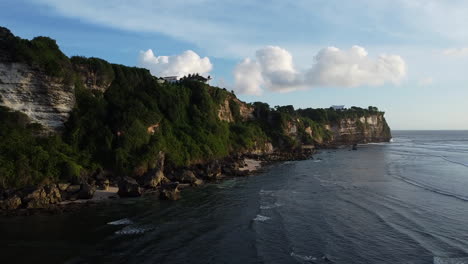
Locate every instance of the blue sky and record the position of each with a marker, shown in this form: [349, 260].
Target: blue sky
[407, 57]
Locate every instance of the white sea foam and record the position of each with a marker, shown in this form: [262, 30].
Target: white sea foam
[132, 230]
[306, 258]
[124, 221]
[270, 206]
[261, 218]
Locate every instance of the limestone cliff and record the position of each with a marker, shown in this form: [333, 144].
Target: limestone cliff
[44, 99]
[231, 107]
[365, 129]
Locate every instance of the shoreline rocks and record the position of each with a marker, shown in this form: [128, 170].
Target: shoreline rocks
[165, 183]
[129, 187]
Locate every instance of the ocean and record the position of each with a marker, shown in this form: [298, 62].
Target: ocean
[399, 202]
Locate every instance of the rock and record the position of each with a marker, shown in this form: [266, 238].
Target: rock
[42, 196]
[104, 185]
[72, 189]
[129, 187]
[170, 191]
[63, 186]
[213, 171]
[188, 177]
[53, 194]
[11, 203]
[71, 193]
[354, 147]
[86, 191]
[227, 170]
[153, 178]
[198, 182]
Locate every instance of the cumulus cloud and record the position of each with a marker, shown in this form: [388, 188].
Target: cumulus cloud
[178, 65]
[460, 52]
[248, 77]
[351, 68]
[274, 70]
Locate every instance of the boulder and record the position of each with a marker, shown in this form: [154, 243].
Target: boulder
[63, 186]
[103, 179]
[129, 187]
[86, 191]
[104, 185]
[154, 178]
[53, 194]
[213, 171]
[188, 176]
[42, 196]
[11, 203]
[71, 193]
[170, 191]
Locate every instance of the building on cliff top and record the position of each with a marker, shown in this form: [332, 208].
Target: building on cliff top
[170, 79]
[338, 107]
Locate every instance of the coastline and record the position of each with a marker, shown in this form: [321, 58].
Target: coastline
[233, 166]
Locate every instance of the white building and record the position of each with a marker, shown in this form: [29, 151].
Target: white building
[171, 79]
[338, 107]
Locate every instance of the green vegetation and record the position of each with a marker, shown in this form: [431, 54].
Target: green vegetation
[330, 115]
[27, 158]
[124, 128]
[40, 52]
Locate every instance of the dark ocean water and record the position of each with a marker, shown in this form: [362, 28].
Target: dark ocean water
[401, 202]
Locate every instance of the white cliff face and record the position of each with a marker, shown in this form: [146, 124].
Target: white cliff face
[44, 99]
[364, 129]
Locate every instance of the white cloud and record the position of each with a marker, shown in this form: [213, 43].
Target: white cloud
[460, 52]
[179, 65]
[335, 67]
[274, 70]
[248, 77]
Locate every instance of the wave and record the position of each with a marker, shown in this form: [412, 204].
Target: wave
[124, 221]
[432, 189]
[415, 154]
[454, 162]
[261, 218]
[270, 206]
[302, 257]
[133, 230]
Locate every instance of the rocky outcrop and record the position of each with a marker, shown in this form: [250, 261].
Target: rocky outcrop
[170, 191]
[86, 191]
[41, 197]
[224, 112]
[365, 129]
[44, 99]
[230, 104]
[129, 187]
[189, 177]
[11, 203]
[92, 79]
[153, 179]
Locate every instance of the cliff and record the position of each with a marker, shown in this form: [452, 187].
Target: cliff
[364, 129]
[119, 119]
[44, 99]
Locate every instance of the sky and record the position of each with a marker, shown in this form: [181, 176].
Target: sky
[407, 57]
